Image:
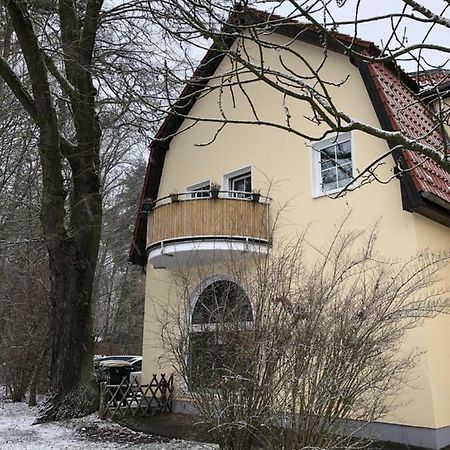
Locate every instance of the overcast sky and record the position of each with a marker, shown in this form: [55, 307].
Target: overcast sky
[380, 31]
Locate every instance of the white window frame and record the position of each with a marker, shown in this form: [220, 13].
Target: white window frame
[226, 179]
[316, 175]
[194, 187]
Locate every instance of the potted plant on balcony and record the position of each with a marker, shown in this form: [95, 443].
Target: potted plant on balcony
[147, 205]
[173, 197]
[215, 189]
[256, 195]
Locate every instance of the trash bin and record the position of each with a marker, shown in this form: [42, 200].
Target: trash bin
[117, 371]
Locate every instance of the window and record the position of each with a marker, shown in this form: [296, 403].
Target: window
[332, 164]
[218, 330]
[239, 183]
[199, 190]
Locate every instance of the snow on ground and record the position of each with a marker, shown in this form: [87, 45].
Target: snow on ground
[87, 433]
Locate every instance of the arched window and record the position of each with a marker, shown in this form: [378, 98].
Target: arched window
[220, 321]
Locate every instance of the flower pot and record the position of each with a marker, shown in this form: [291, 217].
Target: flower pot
[256, 196]
[147, 206]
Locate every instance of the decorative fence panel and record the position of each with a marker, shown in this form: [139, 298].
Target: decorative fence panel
[134, 399]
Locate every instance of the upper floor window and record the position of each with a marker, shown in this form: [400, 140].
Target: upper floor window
[199, 190]
[239, 183]
[333, 167]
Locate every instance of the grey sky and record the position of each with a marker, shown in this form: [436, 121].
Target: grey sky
[380, 31]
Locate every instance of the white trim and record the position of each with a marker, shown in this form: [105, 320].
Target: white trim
[199, 190]
[193, 239]
[201, 286]
[316, 173]
[169, 249]
[196, 186]
[235, 173]
[203, 327]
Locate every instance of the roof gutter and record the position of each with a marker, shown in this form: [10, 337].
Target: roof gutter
[436, 200]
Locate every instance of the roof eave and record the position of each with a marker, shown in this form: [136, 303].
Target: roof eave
[434, 208]
[424, 203]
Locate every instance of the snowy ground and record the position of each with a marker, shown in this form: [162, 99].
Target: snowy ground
[88, 433]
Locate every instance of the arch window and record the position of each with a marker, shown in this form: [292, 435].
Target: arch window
[220, 324]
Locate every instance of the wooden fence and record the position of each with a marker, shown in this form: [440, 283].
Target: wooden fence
[134, 399]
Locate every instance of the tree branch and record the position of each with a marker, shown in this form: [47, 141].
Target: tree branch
[435, 18]
[65, 84]
[89, 31]
[18, 89]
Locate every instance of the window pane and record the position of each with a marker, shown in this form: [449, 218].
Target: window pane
[329, 152]
[326, 162]
[222, 301]
[344, 175]
[336, 166]
[329, 180]
[344, 153]
[214, 355]
[218, 348]
[241, 183]
[201, 191]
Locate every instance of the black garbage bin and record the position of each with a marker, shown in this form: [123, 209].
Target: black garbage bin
[117, 371]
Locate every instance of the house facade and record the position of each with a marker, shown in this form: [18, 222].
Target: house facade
[297, 179]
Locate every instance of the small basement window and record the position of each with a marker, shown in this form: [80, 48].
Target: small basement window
[199, 190]
[333, 166]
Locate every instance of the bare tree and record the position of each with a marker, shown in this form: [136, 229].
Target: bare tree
[244, 37]
[76, 68]
[23, 270]
[24, 311]
[119, 287]
[24, 317]
[299, 348]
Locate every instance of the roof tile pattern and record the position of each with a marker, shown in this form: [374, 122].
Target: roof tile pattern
[432, 77]
[409, 115]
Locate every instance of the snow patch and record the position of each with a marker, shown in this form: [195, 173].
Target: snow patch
[18, 433]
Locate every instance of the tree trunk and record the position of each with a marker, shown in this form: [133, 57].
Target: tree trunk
[70, 320]
[72, 267]
[35, 378]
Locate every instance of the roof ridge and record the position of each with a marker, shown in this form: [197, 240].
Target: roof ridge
[290, 21]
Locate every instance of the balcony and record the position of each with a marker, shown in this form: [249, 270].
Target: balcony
[198, 228]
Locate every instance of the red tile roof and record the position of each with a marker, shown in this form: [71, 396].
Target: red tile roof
[408, 114]
[276, 20]
[426, 78]
[406, 111]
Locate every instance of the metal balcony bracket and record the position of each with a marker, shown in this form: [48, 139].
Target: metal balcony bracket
[163, 251]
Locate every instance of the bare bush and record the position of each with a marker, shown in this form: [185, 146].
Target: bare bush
[24, 318]
[301, 347]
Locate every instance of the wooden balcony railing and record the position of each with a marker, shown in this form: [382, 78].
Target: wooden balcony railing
[194, 218]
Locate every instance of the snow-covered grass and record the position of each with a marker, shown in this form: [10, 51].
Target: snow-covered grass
[90, 433]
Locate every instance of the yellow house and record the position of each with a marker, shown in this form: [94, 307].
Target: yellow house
[413, 209]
